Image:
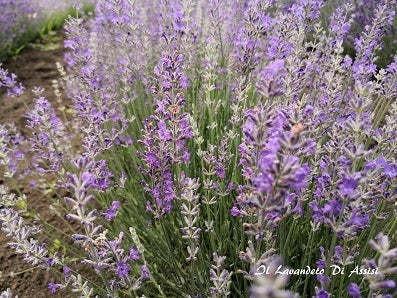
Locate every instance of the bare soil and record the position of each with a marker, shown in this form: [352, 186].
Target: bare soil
[34, 67]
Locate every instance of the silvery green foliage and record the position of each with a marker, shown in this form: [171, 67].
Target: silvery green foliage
[190, 208]
[23, 241]
[21, 234]
[219, 277]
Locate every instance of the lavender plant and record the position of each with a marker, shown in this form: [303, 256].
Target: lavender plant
[16, 17]
[23, 20]
[223, 150]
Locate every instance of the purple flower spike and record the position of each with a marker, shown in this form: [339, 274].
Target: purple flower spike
[165, 133]
[271, 164]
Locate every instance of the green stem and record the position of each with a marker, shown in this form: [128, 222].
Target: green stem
[308, 263]
[286, 244]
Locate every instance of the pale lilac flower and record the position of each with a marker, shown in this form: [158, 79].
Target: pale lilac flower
[53, 287]
[134, 254]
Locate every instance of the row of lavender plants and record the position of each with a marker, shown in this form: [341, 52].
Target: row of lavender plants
[215, 146]
[22, 20]
[15, 17]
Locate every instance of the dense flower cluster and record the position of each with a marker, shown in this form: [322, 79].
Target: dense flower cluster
[219, 144]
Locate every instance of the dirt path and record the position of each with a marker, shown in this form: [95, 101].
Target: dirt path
[34, 67]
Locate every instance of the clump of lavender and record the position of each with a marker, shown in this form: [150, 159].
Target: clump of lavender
[15, 20]
[103, 254]
[22, 20]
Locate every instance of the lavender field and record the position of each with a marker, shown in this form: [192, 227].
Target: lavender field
[198, 148]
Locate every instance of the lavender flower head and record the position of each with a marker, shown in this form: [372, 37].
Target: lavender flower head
[165, 134]
[271, 166]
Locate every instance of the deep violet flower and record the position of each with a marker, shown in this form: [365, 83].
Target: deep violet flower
[322, 294]
[122, 270]
[235, 211]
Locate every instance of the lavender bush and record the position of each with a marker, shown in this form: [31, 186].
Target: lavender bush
[15, 20]
[217, 149]
[363, 13]
[22, 20]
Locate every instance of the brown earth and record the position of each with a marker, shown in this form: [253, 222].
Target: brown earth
[34, 66]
